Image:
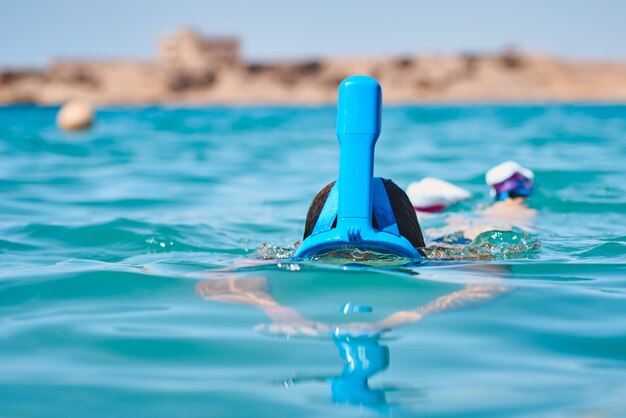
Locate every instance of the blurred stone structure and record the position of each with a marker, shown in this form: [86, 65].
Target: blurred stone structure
[192, 68]
[190, 50]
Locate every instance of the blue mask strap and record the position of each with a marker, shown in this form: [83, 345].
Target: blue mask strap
[329, 212]
[382, 208]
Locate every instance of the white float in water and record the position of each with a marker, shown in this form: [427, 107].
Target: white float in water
[75, 115]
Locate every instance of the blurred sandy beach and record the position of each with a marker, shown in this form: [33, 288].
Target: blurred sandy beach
[191, 68]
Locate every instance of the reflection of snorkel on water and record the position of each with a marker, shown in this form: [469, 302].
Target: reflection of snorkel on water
[363, 358]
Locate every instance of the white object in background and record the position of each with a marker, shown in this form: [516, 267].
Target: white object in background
[434, 195]
[75, 115]
[498, 176]
[505, 171]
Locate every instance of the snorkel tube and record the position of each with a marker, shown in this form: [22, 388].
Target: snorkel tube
[357, 193]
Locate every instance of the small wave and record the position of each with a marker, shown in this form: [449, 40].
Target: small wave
[270, 251]
[117, 239]
[14, 246]
[490, 245]
[603, 250]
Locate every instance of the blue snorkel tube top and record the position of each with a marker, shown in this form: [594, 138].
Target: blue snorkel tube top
[357, 193]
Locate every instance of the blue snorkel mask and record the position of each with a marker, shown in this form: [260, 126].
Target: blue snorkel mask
[357, 193]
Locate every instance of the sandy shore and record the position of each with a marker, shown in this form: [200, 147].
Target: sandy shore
[506, 77]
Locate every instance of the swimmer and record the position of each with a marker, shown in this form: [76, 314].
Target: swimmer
[510, 185]
[405, 216]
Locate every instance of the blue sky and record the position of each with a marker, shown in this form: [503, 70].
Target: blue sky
[33, 32]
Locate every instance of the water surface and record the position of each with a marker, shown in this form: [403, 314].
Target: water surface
[104, 236]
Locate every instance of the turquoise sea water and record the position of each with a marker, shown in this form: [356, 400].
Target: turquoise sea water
[105, 236]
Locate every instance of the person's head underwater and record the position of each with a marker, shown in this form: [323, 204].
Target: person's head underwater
[403, 211]
[359, 210]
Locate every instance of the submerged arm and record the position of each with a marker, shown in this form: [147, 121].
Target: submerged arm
[472, 293]
[255, 291]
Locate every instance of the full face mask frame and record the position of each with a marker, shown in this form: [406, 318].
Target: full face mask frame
[357, 194]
